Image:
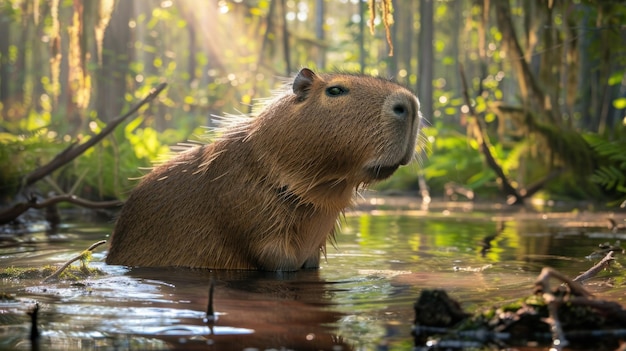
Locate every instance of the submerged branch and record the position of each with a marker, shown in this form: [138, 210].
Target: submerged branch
[34, 331]
[81, 256]
[210, 316]
[593, 271]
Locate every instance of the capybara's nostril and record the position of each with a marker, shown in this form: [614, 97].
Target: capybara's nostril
[400, 110]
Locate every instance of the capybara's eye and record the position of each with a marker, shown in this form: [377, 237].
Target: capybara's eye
[336, 91]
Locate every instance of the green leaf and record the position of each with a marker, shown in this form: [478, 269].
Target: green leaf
[619, 103]
[616, 78]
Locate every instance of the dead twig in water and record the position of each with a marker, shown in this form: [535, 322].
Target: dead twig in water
[58, 272]
[210, 311]
[593, 271]
[553, 300]
[543, 282]
[34, 332]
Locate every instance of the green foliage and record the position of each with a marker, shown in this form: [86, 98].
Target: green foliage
[104, 171]
[452, 157]
[21, 151]
[610, 172]
[109, 170]
[218, 57]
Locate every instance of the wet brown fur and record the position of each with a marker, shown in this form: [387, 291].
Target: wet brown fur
[267, 194]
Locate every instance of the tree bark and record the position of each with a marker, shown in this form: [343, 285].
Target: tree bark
[320, 17]
[116, 57]
[406, 50]
[285, 35]
[5, 64]
[269, 26]
[426, 58]
[529, 89]
[361, 38]
[483, 24]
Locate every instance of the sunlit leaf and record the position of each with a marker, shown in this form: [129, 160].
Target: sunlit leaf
[616, 78]
[619, 103]
[474, 144]
[451, 111]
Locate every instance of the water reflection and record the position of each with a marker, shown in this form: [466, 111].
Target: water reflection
[361, 298]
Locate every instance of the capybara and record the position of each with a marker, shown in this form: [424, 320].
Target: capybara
[267, 193]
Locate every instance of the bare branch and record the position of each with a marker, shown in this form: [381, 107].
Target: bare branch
[19, 208]
[593, 271]
[81, 256]
[73, 151]
[484, 145]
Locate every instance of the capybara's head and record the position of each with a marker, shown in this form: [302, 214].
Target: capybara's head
[338, 129]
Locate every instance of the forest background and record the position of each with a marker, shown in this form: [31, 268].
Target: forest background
[522, 98]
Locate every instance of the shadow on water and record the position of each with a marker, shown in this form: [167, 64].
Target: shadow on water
[362, 297]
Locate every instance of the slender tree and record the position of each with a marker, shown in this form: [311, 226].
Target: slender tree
[117, 54]
[5, 63]
[426, 57]
[285, 37]
[319, 33]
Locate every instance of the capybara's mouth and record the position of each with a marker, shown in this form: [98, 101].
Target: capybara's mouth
[381, 172]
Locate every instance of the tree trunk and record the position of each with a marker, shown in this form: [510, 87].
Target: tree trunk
[5, 64]
[285, 35]
[191, 69]
[319, 34]
[406, 50]
[483, 24]
[116, 57]
[426, 58]
[19, 73]
[453, 79]
[530, 91]
[269, 26]
[586, 62]
[361, 38]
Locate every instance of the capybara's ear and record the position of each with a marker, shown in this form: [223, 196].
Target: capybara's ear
[302, 83]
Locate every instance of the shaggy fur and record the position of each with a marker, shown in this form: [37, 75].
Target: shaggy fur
[267, 194]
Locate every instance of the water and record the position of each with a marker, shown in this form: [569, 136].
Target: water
[386, 252]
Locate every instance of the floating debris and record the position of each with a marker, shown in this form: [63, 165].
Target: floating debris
[556, 315]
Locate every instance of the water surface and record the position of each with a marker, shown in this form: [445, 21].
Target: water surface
[385, 253]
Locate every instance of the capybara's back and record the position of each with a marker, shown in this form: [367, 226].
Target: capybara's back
[267, 194]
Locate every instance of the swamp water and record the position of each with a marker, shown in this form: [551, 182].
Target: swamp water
[386, 253]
